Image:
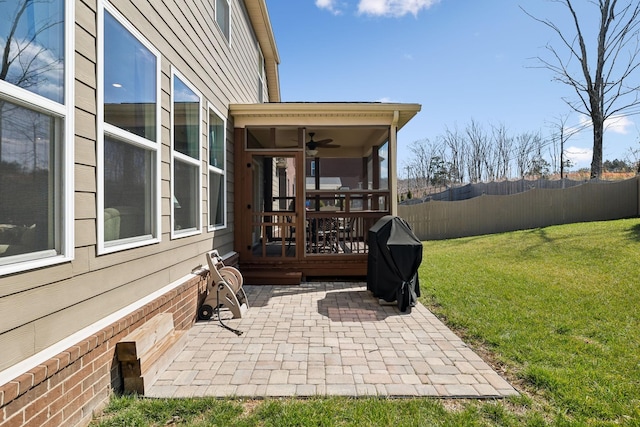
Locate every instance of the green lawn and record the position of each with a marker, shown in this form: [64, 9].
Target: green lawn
[556, 310]
[559, 307]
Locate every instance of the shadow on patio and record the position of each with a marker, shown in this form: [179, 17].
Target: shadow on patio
[355, 305]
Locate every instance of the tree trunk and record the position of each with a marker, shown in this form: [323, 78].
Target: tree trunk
[596, 160]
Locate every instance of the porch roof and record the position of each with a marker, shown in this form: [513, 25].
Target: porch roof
[323, 113]
[354, 126]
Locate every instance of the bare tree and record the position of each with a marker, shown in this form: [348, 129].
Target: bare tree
[418, 166]
[456, 144]
[491, 159]
[503, 147]
[525, 146]
[538, 165]
[477, 144]
[605, 85]
[425, 154]
[633, 158]
[560, 137]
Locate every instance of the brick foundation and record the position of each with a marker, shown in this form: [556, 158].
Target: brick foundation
[71, 387]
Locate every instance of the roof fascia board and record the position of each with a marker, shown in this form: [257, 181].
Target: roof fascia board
[285, 114]
[259, 16]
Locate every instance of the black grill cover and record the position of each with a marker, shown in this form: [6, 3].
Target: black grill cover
[395, 254]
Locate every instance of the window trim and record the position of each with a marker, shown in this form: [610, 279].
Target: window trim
[112, 131]
[223, 172]
[175, 234]
[64, 153]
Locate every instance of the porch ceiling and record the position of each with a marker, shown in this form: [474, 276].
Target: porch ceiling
[356, 127]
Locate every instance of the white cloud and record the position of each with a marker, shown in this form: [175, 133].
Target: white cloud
[579, 156]
[386, 8]
[395, 8]
[330, 5]
[615, 124]
[618, 124]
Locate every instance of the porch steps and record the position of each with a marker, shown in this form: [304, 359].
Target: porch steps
[270, 277]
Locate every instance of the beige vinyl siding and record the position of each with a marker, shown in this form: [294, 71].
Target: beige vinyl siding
[43, 306]
[248, 63]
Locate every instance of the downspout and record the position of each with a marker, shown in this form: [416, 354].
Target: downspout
[393, 169]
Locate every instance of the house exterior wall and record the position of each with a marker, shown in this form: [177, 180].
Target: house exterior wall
[43, 307]
[68, 388]
[349, 169]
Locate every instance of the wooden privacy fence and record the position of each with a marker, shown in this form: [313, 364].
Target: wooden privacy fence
[435, 220]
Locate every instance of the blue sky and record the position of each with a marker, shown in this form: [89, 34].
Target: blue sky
[462, 60]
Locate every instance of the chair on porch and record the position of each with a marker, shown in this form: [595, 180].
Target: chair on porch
[324, 233]
[345, 236]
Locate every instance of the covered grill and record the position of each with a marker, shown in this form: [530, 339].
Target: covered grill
[395, 254]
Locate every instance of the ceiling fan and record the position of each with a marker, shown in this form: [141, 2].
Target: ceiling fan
[326, 143]
[312, 146]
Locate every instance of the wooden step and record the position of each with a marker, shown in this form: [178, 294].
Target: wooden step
[147, 352]
[270, 277]
[140, 341]
[141, 374]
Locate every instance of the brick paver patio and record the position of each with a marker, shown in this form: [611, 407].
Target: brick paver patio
[327, 338]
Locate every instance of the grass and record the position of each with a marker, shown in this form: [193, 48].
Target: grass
[556, 310]
[331, 411]
[557, 307]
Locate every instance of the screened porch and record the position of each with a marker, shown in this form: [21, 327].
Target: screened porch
[310, 182]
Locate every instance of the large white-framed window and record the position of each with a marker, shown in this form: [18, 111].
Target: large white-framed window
[222, 12]
[217, 170]
[36, 134]
[128, 135]
[186, 176]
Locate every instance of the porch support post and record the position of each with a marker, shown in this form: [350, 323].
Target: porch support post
[375, 204]
[393, 169]
[242, 194]
[365, 173]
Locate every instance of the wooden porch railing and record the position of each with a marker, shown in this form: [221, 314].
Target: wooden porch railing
[339, 221]
[276, 234]
[339, 233]
[350, 200]
[338, 227]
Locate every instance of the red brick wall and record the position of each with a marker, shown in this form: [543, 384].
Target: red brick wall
[70, 387]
